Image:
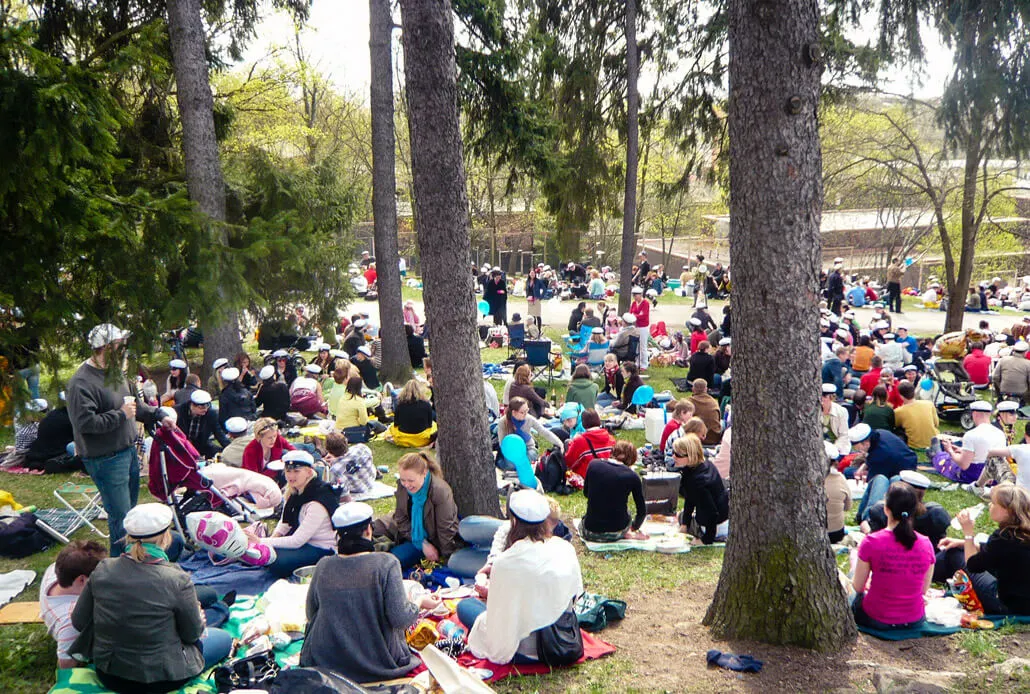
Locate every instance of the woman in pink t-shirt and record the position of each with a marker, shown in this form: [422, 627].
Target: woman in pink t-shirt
[901, 562]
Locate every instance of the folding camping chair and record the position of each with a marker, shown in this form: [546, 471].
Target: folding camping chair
[516, 340]
[88, 496]
[538, 357]
[60, 523]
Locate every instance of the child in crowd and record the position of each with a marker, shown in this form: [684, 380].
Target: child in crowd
[63, 581]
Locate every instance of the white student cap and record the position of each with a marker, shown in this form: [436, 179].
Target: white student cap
[981, 406]
[916, 479]
[266, 372]
[829, 389]
[147, 520]
[219, 363]
[236, 425]
[351, 514]
[529, 506]
[1008, 406]
[859, 433]
[200, 397]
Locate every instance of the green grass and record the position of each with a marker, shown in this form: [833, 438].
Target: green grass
[981, 645]
[27, 659]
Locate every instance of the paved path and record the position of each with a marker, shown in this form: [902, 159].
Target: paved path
[920, 322]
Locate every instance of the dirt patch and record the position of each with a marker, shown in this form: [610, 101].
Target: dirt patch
[662, 635]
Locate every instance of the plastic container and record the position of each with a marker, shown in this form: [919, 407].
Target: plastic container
[654, 423]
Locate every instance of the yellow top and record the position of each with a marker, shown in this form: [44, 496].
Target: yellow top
[920, 422]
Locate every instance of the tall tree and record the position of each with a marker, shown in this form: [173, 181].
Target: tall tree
[442, 227]
[396, 363]
[629, 205]
[203, 167]
[779, 580]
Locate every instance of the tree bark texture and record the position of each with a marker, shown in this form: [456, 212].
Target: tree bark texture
[629, 205]
[203, 168]
[779, 580]
[443, 232]
[396, 365]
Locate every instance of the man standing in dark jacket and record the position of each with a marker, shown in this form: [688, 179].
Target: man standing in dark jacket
[835, 287]
[235, 400]
[103, 413]
[199, 422]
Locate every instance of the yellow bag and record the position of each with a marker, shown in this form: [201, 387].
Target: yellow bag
[6, 499]
[419, 440]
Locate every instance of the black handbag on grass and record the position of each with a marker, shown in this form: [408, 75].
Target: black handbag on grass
[562, 642]
[256, 671]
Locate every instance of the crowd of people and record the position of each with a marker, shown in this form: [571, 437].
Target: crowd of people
[878, 418]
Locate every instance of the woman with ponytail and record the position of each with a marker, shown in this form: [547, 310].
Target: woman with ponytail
[358, 607]
[901, 563]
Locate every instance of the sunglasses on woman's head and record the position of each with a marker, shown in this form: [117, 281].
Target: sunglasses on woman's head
[270, 427]
[294, 466]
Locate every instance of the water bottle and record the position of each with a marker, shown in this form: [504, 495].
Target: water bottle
[451, 630]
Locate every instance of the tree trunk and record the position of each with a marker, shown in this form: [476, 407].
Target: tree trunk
[629, 205]
[442, 226]
[779, 580]
[396, 362]
[203, 167]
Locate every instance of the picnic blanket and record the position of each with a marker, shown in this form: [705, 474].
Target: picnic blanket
[82, 680]
[917, 632]
[245, 580]
[593, 648]
[20, 613]
[665, 538]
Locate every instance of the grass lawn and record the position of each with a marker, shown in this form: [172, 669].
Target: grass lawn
[27, 658]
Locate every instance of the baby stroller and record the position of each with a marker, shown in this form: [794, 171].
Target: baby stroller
[952, 391]
[172, 464]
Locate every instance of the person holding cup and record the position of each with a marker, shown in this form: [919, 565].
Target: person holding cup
[103, 412]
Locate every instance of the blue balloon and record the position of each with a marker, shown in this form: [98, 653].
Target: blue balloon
[926, 384]
[513, 448]
[642, 395]
[484, 308]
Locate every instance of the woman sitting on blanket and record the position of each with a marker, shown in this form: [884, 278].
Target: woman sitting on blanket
[706, 503]
[139, 617]
[1000, 567]
[425, 521]
[268, 445]
[414, 424]
[532, 583]
[901, 563]
[607, 486]
[518, 420]
[357, 606]
[304, 534]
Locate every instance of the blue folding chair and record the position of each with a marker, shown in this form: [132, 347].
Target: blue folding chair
[595, 355]
[516, 339]
[538, 357]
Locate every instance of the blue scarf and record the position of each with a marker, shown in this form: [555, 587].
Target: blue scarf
[418, 503]
[520, 429]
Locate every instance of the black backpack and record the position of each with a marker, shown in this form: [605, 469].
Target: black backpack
[551, 471]
[19, 536]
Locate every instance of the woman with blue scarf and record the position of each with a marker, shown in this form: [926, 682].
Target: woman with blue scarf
[518, 420]
[425, 522]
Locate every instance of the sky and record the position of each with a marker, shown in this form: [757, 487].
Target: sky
[336, 38]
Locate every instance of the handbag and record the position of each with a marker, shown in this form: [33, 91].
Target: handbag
[560, 643]
[594, 612]
[256, 671]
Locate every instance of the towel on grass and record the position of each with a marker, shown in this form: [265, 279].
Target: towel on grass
[14, 582]
[917, 632]
[82, 680]
[378, 491]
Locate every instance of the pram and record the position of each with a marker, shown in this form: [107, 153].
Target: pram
[172, 464]
[952, 391]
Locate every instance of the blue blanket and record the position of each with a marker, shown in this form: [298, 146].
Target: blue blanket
[924, 629]
[245, 580]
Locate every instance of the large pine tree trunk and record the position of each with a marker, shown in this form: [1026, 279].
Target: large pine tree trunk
[203, 167]
[779, 580]
[442, 228]
[629, 205]
[396, 363]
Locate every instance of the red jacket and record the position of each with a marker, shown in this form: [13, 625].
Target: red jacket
[642, 310]
[254, 456]
[696, 338]
[579, 453]
[670, 426]
[978, 366]
[870, 381]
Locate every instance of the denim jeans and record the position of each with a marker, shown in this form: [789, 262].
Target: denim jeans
[31, 376]
[117, 479]
[289, 560]
[875, 491]
[215, 645]
[408, 555]
[864, 620]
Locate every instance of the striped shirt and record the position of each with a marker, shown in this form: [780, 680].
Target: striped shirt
[56, 611]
